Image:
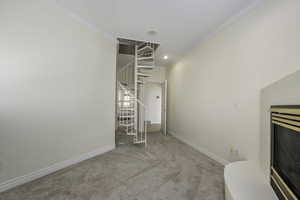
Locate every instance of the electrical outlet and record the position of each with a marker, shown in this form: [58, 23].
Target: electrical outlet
[234, 154]
[231, 150]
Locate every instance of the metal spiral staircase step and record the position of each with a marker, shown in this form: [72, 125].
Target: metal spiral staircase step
[139, 141]
[147, 58]
[127, 125]
[143, 75]
[126, 116]
[131, 133]
[127, 109]
[145, 67]
[140, 82]
[126, 101]
[145, 48]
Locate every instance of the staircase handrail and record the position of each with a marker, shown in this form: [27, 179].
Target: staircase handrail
[131, 95]
[126, 66]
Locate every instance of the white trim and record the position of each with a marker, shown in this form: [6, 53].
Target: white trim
[231, 20]
[53, 168]
[164, 109]
[80, 20]
[202, 150]
[236, 17]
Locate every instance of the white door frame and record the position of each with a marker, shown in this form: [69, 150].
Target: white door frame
[164, 106]
[164, 98]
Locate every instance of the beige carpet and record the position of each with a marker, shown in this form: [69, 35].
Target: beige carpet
[166, 170]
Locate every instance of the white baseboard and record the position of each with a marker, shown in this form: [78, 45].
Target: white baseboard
[202, 150]
[53, 168]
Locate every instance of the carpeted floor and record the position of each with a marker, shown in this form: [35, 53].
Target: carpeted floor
[166, 170]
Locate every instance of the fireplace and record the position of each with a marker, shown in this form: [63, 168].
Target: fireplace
[285, 151]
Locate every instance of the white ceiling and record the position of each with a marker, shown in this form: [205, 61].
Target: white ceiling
[179, 23]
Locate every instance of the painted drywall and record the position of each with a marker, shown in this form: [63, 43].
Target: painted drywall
[152, 103]
[214, 90]
[158, 74]
[283, 92]
[57, 80]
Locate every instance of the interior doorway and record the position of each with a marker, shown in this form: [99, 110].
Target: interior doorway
[155, 99]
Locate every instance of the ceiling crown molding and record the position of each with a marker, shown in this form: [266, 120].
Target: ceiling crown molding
[84, 22]
[229, 22]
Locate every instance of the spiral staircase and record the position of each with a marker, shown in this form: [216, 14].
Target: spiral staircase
[131, 79]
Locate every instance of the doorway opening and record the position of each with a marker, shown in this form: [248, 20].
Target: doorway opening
[155, 100]
[135, 112]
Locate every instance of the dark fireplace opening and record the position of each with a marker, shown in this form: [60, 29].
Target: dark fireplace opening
[285, 151]
[287, 157]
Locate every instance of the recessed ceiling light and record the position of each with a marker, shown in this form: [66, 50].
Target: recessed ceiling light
[152, 32]
[166, 57]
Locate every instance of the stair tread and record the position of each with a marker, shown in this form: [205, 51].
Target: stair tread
[145, 67]
[146, 58]
[139, 142]
[147, 47]
[126, 116]
[126, 124]
[131, 133]
[143, 74]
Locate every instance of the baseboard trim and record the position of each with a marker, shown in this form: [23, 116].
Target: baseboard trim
[53, 168]
[202, 150]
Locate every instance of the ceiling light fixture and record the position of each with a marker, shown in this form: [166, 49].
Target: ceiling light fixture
[152, 32]
[166, 57]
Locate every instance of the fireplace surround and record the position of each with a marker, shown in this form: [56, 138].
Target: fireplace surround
[285, 151]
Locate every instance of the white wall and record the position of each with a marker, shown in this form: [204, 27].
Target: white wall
[214, 91]
[158, 74]
[57, 80]
[283, 92]
[153, 105]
